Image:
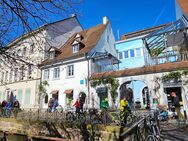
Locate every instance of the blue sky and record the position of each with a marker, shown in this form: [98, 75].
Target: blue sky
[127, 15]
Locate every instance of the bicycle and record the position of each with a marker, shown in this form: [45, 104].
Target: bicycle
[154, 134]
[75, 117]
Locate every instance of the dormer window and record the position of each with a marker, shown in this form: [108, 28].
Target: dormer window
[75, 48]
[52, 54]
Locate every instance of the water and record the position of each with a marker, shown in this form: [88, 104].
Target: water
[14, 137]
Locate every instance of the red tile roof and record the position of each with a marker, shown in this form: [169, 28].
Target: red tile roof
[184, 5]
[144, 70]
[89, 40]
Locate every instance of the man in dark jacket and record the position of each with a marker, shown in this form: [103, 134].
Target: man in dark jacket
[176, 104]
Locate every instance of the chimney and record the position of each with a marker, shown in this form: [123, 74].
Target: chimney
[73, 15]
[105, 20]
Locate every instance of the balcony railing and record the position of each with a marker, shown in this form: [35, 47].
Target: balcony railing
[169, 57]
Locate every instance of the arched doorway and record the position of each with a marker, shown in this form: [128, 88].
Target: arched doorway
[137, 91]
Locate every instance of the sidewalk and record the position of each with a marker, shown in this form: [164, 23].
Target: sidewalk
[174, 131]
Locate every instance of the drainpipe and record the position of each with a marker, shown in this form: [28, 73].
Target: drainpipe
[88, 74]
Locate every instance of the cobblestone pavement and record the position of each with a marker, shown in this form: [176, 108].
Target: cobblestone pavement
[172, 131]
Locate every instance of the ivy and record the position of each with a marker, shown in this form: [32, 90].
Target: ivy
[171, 76]
[112, 83]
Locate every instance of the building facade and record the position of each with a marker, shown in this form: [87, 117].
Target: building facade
[69, 71]
[19, 73]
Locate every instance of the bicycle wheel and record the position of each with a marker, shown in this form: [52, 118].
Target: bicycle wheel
[81, 118]
[69, 117]
[151, 138]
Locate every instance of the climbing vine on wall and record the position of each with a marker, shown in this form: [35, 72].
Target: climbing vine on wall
[111, 82]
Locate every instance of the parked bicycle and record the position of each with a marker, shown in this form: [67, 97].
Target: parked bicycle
[154, 131]
[75, 117]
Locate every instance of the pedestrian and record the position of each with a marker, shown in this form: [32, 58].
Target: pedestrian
[55, 105]
[8, 109]
[123, 111]
[77, 106]
[176, 104]
[16, 106]
[82, 101]
[50, 105]
[104, 104]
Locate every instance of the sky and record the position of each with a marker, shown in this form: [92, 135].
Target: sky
[127, 15]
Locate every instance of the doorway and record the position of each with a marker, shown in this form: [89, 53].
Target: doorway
[168, 91]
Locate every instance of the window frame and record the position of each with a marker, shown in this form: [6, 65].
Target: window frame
[70, 70]
[132, 51]
[75, 48]
[56, 74]
[119, 55]
[46, 76]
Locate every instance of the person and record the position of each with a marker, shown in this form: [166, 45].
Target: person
[82, 101]
[104, 104]
[8, 108]
[176, 104]
[123, 111]
[55, 105]
[16, 106]
[76, 104]
[50, 105]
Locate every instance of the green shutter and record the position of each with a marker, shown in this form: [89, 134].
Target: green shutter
[4, 96]
[27, 96]
[19, 96]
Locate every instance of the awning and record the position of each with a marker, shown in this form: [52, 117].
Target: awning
[54, 92]
[68, 91]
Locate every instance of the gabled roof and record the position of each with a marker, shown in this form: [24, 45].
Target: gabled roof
[89, 40]
[38, 30]
[184, 5]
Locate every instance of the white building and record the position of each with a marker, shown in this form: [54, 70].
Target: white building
[19, 73]
[68, 69]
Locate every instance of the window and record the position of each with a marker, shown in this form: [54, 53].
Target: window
[46, 74]
[126, 54]
[24, 51]
[56, 72]
[19, 96]
[120, 55]
[132, 53]
[21, 72]
[75, 48]
[10, 76]
[70, 70]
[29, 71]
[31, 48]
[138, 52]
[15, 74]
[52, 54]
[2, 77]
[6, 76]
[19, 52]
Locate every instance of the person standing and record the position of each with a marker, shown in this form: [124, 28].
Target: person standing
[176, 104]
[76, 104]
[123, 111]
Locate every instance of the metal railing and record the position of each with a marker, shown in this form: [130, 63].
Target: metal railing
[140, 130]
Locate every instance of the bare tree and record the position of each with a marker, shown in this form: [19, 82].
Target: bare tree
[20, 17]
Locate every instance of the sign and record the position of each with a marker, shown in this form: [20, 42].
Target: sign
[81, 82]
